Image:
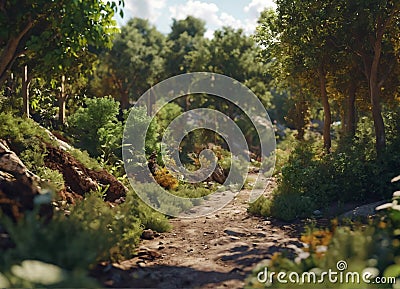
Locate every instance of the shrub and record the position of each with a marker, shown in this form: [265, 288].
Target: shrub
[151, 194]
[165, 179]
[310, 180]
[35, 274]
[86, 123]
[25, 138]
[54, 179]
[262, 206]
[373, 247]
[84, 158]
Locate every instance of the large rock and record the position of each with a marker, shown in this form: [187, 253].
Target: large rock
[18, 186]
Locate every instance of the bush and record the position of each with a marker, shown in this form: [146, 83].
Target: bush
[84, 158]
[25, 138]
[165, 179]
[54, 179]
[87, 124]
[352, 173]
[374, 247]
[35, 274]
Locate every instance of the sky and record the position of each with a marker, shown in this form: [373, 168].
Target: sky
[217, 13]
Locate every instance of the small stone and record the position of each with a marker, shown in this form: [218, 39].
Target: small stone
[235, 232]
[317, 213]
[141, 264]
[148, 234]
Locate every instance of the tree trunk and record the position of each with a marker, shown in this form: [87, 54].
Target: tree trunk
[374, 90]
[124, 100]
[327, 110]
[380, 136]
[9, 53]
[349, 121]
[25, 92]
[61, 103]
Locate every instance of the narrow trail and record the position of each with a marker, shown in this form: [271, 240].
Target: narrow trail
[216, 251]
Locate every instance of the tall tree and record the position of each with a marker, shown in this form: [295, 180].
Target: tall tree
[184, 37]
[74, 26]
[372, 33]
[134, 64]
[298, 38]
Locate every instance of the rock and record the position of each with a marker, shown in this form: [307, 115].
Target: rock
[236, 232]
[218, 175]
[362, 211]
[260, 235]
[18, 186]
[234, 238]
[148, 254]
[148, 234]
[58, 138]
[317, 213]
[220, 241]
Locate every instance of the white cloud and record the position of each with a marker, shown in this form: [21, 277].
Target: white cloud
[253, 11]
[148, 9]
[229, 20]
[257, 6]
[209, 12]
[206, 11]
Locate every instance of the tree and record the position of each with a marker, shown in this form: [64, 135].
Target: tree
[29, 26]
[298, 38]
[337, 40]
[134, 64]
[184, 37]
[372, 33]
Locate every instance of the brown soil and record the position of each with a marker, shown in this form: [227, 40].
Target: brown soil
[79, 179]
[216, 251]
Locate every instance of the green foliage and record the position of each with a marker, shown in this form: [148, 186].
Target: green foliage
[133, 65]
[60, 242]
[22, 133]
[185, 36]
[140, 122]
[262, 206]
[150, 218]
[192, 192]
[95, 127]
[54, 180]
[373, 247]
[352, 173]
[161, 201]
[85, 159]
[34, 274]
[166, 115]
[189, 192]
[75, 240]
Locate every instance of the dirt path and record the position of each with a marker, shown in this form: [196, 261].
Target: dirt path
[217, 251]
